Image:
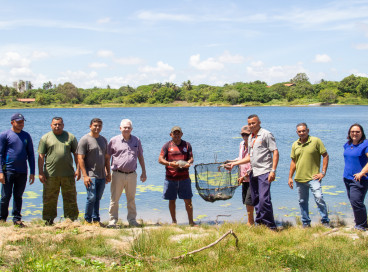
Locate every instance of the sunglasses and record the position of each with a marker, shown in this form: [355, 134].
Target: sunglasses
[244, 134]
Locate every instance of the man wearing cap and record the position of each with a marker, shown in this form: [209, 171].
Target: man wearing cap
[16, 148]
[55, 167]
[124, 150]
[177, 182]
[263, 157]
[244, 172]
[305, 156]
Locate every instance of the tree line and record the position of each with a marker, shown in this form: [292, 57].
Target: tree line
[351, 89]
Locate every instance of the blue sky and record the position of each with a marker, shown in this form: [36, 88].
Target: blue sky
[99, 43]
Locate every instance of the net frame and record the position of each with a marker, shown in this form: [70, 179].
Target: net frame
[219, 186]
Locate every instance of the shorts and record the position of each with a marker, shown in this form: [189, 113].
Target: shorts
[181, 188]
[246, 194]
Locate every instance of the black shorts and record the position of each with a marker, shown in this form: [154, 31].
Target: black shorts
[246, 194]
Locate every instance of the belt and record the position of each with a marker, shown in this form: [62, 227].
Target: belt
[123, 171]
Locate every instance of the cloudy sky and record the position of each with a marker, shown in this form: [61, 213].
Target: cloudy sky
[118, 42]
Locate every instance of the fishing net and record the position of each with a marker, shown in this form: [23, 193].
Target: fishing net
[215, 182]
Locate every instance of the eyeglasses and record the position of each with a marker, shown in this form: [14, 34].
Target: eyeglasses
[244, 134]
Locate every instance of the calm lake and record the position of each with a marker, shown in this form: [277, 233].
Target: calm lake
[214, 135]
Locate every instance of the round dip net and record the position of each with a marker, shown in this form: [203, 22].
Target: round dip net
[215, 182]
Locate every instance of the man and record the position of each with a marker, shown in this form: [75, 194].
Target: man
[124, 150]
[263, 157]
[16, 148]
[177, 182]
[95, 166]
[305, 156]
[244, 171]
[55, 168]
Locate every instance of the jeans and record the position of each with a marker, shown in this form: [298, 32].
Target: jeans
[303, 191]
[94, 195]
[15, 183]
[356, 193]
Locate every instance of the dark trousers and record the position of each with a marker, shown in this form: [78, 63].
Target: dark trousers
[356, 193]
[261, 197]
[15, 183]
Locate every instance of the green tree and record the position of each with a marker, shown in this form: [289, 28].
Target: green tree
[47, 85]
[362, 87]
[300, 77]
[70, 92]
[328, 95]
[349, 84]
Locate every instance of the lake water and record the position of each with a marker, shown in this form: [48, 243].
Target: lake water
[214, 135]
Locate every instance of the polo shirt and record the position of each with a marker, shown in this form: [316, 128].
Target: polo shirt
[307, 158]
[124, 153]
[261, 147]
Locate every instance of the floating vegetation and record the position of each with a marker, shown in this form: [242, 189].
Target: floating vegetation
[30, 195]
[153, 188]
[199, 217]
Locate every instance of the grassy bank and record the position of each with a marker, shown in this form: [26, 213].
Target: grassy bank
[71, 246]
[284, 102]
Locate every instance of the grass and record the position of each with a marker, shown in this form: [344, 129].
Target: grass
[72, 246]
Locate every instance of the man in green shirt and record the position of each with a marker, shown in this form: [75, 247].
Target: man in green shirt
[55, 167]
[306, 160]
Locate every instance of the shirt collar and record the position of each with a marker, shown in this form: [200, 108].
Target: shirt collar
[308, 140]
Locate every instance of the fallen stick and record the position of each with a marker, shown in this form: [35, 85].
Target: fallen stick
[210, 245]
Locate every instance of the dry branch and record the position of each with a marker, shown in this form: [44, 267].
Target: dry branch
[210, 245]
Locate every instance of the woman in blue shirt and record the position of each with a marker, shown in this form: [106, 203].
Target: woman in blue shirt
[355, 177]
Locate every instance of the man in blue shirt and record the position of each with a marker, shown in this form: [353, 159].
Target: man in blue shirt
[16, 148]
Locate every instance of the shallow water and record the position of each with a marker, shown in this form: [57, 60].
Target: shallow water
[214, 135]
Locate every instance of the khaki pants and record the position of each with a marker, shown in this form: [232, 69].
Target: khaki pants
[51, 189]
[119, 182]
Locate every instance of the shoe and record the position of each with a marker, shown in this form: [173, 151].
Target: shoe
[49, 222]
[305, 226]
[98, 224]
[87, 223]
[19, 224]
[326, 225]
[134, 224]
[2, 221]
[360, 228]
[111, 226]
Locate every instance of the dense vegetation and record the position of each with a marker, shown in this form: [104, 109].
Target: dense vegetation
[351, 90]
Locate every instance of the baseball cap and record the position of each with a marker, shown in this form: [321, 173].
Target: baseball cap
[17, 117]
[176, 128]
[245, 129]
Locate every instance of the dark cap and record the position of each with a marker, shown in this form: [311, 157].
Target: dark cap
[17, 117]
[176, 128]
[245, 129]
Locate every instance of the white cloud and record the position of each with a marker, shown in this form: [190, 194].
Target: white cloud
[21, 72]
[206, 65]
[128, 61]
[361, 46]
[161, 68]
[226, 57]
[105, 53]
[159, 16]
[39, 55]
[97, 65]
[78, 78]
[258, 63]
[14, 59]
[322, 58]
[104, 20]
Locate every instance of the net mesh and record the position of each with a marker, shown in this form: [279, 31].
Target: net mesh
[214, 182]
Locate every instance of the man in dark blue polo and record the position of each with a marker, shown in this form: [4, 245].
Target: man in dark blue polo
[16, 148]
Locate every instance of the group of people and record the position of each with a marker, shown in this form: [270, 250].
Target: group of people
[258, 159]
[101, 162]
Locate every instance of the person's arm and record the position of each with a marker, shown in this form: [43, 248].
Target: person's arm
[362, 173]
[275, 161]
[86, 179]
[245, 160]
[41, 161]
[2, 150]
[107, 168]
[77, 173]
[321, 175]
[143, 166]
[31, 160]
[291, 173]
